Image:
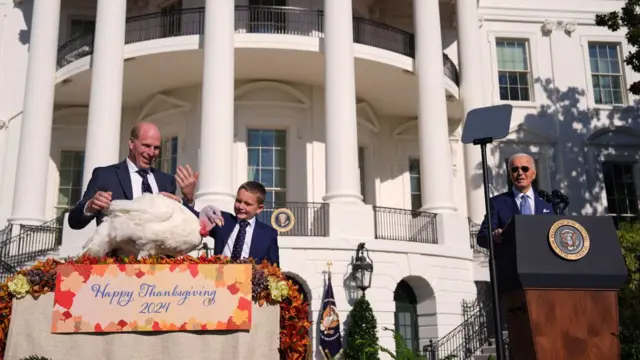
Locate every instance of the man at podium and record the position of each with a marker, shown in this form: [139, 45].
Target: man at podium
[521, 199]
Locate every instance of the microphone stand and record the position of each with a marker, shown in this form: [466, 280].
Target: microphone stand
[495, 294]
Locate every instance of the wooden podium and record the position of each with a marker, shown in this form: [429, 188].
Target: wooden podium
[559, 278]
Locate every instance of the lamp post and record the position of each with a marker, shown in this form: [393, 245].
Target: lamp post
[362, 268]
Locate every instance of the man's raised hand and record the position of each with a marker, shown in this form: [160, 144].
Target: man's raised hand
[187, 179]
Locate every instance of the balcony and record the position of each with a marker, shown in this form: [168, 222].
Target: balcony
[405, 225]
[252, 20]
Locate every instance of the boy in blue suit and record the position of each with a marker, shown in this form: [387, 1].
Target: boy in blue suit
[242, 235]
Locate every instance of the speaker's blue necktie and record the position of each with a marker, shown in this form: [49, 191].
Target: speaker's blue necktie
[525, 205]
[146, 186]
[238, 244]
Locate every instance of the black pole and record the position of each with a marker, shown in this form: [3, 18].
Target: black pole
[497, 318]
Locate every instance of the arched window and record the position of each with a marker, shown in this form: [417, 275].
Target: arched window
[406, 315]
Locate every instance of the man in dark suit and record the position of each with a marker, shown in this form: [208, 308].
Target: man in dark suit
[242, 235]
[126, 180]
[521, 199]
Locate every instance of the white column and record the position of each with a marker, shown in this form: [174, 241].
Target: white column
[436, 172]
[215, 184]
[471, 93]
[32, 174]
[341, 127]
[105, 103]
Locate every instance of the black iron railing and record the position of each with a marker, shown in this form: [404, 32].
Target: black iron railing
[253, 20]
[31, 242]
[467, 338]
[303, 218]
[405, 225]
[473, 234]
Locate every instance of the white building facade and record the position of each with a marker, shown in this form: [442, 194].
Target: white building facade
[348, 111]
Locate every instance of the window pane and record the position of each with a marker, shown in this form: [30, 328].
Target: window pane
[253, 138]
[66, 177]
[266, 178]
[266, 158]
[267, 138]
[254, 157]
[280, 158]
[63, 196]
[280, 179]
[66, 160]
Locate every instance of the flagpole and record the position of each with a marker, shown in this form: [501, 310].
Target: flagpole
[329, 264]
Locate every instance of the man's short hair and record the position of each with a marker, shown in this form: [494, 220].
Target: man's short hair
[533, 161]
[255, 188]
[135, 132]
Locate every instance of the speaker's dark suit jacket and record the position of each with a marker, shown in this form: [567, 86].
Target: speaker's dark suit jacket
[503, 208]
[116, 179]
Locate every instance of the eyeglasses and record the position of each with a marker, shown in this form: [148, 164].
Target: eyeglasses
[525, 169]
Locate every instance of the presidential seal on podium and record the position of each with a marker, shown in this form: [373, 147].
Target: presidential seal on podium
[283, 220]
[569, 240]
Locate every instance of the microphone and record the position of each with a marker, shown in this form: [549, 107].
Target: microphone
[545, 196]
[561, 199]
[560, 196]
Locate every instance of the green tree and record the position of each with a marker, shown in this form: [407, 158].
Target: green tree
[629, 296]
[629, 18]
[362, 333]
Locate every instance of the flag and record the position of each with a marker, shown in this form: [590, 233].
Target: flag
[330, 337]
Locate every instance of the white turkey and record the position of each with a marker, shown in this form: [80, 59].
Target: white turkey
[150, 225]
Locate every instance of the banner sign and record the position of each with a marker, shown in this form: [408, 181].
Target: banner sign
[152, 297]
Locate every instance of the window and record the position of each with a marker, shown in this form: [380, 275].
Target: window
[267, 153]
[620, 187]
[406, 315]
[606, 74]
[171, 20]
[414, 184]
[534, 183]
[361, 169]
[514, 70]
[70, 188]
[168, 159]
[80, 27]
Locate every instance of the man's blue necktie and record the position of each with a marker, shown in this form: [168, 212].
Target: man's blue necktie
[238, 245]
[146, 186]
[525, 206]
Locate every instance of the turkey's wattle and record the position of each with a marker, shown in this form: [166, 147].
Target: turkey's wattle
[203, 229]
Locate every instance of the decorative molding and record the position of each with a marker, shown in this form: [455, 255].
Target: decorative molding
[179, 106]
[302, 100]
[618, 133]
[522, 133]
[399, 130]
[372, 123]
[550, 25]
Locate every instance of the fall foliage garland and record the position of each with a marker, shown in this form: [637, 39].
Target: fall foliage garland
[294, 324]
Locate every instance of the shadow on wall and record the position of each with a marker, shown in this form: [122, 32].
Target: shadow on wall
[26, 8]
[564, 136]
